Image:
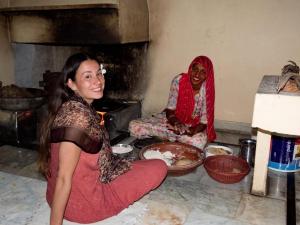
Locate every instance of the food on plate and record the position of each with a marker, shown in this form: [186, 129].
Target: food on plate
[218, 151]
[183, 162]
[167, 157]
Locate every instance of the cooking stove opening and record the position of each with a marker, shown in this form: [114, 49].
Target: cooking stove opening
[116, 115]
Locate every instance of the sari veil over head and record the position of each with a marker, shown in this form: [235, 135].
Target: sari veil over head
[186, 103]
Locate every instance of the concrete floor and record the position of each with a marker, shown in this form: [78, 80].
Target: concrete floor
[191, 199]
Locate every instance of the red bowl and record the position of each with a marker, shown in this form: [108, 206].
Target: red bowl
[227, 169]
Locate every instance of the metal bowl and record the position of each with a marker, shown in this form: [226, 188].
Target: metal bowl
[122, 150]
[27, 103]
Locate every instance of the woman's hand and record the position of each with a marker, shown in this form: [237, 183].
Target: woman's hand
[196, 129]
[172, 119]
[180, 129]
[174, 124]
[177, 127]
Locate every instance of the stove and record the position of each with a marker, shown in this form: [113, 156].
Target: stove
[18, 115]
[19, 128]
[118, 114]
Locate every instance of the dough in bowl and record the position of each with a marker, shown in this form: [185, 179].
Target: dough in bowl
[218, 151]
[183, 162]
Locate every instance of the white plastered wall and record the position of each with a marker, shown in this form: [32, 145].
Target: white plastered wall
[6, 55]
[244, 39]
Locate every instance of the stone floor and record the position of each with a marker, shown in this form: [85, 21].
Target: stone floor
[191, 199]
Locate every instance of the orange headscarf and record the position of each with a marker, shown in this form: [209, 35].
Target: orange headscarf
[186, 103]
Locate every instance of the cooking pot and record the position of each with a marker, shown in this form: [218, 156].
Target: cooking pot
[24, 103]
[108, 105]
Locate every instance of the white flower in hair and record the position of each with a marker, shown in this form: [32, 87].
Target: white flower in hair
[103, 71]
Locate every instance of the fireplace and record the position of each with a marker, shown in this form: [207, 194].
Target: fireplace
[123, 94]
[42, 34]
[41, 37]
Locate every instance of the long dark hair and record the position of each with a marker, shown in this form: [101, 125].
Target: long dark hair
[61, 94]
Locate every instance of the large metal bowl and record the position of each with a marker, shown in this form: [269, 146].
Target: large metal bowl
[21, 104]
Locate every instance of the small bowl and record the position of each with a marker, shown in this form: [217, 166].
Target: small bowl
[227, 169]
[211, 150]
[122, 150]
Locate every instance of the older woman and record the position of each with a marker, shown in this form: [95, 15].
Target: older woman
[189, 116]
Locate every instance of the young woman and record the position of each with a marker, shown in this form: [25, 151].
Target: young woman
[86, 183]
[189, 116]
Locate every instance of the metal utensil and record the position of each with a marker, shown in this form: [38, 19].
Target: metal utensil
[247, 150]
